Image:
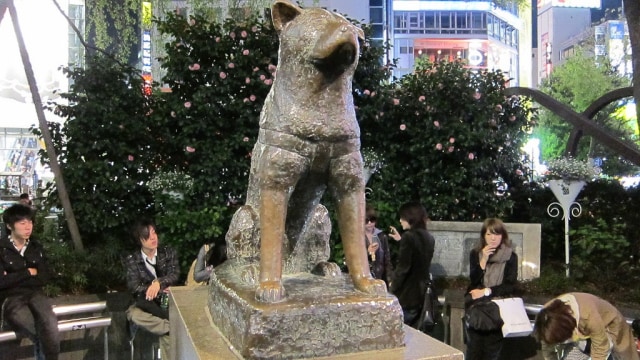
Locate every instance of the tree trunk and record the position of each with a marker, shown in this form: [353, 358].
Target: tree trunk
[44, 128]
[632, 12]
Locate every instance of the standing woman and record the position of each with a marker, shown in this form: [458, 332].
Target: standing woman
[411, 276]
[377, 248]
[493, 268]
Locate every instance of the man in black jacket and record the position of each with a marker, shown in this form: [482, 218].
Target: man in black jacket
[23, 273]
[151, 270]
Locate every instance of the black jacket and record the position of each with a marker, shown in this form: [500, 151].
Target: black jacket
[15, 278]
[411, 275]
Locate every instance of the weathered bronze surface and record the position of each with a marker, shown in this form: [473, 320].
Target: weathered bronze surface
[321, 316]
[309, 142]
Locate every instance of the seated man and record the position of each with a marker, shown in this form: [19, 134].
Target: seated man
[150, 271]
[23, 273]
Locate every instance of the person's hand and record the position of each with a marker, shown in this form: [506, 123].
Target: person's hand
[487, 251]
[153, 290]
[372, 250]
[476, 293]
[393, 232]
[32, 271]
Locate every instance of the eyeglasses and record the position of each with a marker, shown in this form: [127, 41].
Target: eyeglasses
[370, 219]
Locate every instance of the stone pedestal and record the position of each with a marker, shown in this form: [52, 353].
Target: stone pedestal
[321, 316]
[194, 335]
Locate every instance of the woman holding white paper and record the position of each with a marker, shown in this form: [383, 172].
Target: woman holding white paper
[493, 270]
[576, 317]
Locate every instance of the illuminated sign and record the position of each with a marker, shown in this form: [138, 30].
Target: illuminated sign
[570, 3]
[146, 52]
[147, 14]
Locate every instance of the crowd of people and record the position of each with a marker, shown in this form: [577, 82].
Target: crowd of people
[571, 326]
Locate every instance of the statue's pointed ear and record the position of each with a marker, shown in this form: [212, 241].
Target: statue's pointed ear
[360, 33]
[282, 12]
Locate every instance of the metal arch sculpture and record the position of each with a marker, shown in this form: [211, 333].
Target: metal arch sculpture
[582, 122]
[592, 110]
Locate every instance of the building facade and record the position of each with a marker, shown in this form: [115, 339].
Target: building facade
[561, 25]
[58, 46]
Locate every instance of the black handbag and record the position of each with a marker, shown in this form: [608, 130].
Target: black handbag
[429, 312]
[483, 315]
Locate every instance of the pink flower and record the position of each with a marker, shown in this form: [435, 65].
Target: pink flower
[245, 52]
[519, 172]
[187, 104]
[173, 114]
[498, 108]
[268, 82]
[231, 65]
[255, 69]
[512, 118]
[246, 100]
[243, 34]
[366, 92]
[262, 77]
[373, 93]
[436, 123]
[254, 28]
[252, 97]
[247, 81]
[190, 149]
[245, 139]
[471, 156]
[403, 127]
[438, 146]
[192, 22]
[272, 68]
[396, 101]
[218, 39]
[452, 140]
[477, 96]
[130, 157]
[232, 35]
[194, 67]
[450, 149]
[421, 98]
[223, 75]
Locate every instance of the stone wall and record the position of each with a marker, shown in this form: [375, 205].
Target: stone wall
[454, 241]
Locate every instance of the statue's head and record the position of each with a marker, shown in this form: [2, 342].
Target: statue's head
[318, 37]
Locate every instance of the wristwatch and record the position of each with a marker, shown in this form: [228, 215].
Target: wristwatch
[487, 291]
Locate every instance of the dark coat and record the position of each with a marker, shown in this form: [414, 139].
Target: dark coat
[381, 268]
[139, 277]
[509, 281]
[15, 278]
[411, 275]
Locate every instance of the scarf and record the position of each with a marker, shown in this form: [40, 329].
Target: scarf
[494, 271]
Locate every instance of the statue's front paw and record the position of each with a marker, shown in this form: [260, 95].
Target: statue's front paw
[371, 286]
[328, 269]
[270, 291]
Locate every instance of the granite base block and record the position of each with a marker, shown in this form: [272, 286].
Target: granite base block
[321, 316]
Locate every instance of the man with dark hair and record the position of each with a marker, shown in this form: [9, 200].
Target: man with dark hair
[23, 273]
[150, 271]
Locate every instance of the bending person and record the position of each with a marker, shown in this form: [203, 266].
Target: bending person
[573, 318]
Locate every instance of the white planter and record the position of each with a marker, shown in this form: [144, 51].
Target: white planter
[566, 191]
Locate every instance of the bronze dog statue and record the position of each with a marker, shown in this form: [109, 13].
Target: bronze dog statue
[309, 141]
